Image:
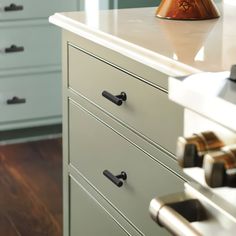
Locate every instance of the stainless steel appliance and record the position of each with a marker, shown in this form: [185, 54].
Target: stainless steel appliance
[207, 153]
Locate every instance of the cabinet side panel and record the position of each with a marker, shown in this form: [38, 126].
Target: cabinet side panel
[65, 136]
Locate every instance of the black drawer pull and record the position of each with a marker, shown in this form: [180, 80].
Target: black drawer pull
[115, 179]
[14, 48]
[13, 7]
[16, 100]
[117, 99]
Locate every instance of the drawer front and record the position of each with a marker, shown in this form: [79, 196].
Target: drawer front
[87, 217]
[39, 96]
[147, 109]
[26, 9]
[94, 147]
[36, 45]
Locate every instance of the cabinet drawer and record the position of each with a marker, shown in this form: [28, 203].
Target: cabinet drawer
[26, 9]
[94, 147]
[88, 218]
[37, 45]
[40, 97]
[147, 109]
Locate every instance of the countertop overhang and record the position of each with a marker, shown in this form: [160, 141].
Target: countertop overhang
[176, 48]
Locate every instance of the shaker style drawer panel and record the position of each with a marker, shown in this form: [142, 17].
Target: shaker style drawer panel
[30, 97]
[110, 151]
[146, 109]
[88, 218]
[29, 45]
[26, 9]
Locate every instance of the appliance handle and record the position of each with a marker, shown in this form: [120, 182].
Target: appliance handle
[176, 216]
[176, 223]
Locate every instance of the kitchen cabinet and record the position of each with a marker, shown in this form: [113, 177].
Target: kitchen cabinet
[102, 139]
[30, 77]
[95, 145]
[116, 154]
[119, 128]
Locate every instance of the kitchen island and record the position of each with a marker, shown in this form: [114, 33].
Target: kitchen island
[120, 128]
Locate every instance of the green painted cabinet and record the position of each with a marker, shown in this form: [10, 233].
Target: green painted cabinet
[140, 104]
[114, 153]
[100, 137]
[30, 63]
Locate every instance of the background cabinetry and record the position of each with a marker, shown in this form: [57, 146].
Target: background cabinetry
[30, 64]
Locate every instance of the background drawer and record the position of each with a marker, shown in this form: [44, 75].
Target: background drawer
[40, 41]
[147, 109]
[113, 152]
[42, 93]
[87, 217]
[33, 9]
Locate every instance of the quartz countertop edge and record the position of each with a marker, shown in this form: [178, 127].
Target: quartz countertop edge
[133, 51]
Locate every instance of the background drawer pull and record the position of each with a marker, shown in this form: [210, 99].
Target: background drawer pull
[13, 7]
[117, 99]
[16, 100]
[14, 48]
[115, 179]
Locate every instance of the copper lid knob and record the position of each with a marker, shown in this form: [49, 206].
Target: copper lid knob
[191, 150]
[220, 168]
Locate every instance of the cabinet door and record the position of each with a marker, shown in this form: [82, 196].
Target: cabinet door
[87, 217]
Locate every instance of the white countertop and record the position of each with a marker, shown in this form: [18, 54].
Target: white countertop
[173, 47]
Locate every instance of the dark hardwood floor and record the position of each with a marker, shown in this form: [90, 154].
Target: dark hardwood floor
[31, 189]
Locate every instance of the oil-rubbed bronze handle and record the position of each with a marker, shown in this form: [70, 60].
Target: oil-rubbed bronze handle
[14, 48]
[117, 99]
[115, 179]
[13, 7]
[191, 150]
[220, 167]
[16, 100]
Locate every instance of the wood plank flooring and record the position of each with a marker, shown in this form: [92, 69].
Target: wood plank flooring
[31, 189]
